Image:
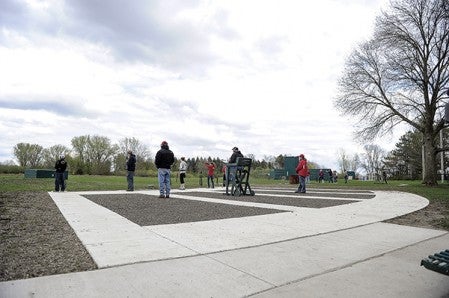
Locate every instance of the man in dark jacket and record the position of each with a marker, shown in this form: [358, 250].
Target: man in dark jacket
[164, 160]
[60, 167]
[232, 167]
[130, 167]
[235, 153]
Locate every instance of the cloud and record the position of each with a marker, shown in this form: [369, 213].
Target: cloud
[204, 75]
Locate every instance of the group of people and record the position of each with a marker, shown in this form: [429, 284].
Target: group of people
[164, 161]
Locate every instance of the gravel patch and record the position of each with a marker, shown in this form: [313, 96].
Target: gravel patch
[35, 238]
[146, 210]
[299, 200]
[334, 194]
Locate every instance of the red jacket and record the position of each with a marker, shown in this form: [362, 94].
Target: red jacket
[302, 169]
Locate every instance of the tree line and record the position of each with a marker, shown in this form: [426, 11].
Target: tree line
[97, 155]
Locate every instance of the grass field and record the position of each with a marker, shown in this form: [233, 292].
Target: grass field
[14, 182]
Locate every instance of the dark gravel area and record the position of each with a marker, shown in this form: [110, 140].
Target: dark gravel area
[297, 200]
[148, 210]
[35, 238]
[334, 194]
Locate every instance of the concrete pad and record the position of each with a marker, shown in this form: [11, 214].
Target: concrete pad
[288, 261]
[111, 239]
[185, 277]
[395, 274]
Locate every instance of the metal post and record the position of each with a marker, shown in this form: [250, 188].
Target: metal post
[423, 163]
[442, 156]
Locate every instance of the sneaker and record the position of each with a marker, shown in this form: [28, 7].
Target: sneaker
[167, 196]
[161, 197]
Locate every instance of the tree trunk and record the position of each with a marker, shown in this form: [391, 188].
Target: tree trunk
[430, 173]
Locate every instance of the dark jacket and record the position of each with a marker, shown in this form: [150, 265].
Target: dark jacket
[131, 163]
[234, 156]
[61, 165]
[164, 158]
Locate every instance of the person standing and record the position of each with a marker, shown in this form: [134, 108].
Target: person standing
[60, 167]
[320, 176]
[164, 160]
[331, 176]
[130, 168]
[235, 154]
[302, 171]
[223, 170]
[210, 174]
[182, 172]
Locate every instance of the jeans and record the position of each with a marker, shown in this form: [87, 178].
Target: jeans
[302, 184]
[210, 178]
[59, 182]
[163, 176]
[130, 179]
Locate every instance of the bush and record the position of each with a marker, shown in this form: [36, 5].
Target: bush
[11, 169]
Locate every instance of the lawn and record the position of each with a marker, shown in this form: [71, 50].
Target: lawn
[14, 182]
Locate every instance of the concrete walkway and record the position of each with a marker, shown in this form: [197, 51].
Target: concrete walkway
[340, 251]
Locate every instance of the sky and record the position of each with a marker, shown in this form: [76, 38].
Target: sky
[203, 75]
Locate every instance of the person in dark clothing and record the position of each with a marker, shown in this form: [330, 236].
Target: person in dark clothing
[60, 167]
[231, 169]
[130, 168]
[384, 177]
[164, 160]
[235, 154]
[331, 176]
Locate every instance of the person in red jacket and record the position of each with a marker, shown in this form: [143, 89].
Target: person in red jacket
[210, 173]
[302, 171]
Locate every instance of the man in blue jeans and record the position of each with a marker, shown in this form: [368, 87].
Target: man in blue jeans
[130, 168]
[60, 167]
[164, 160]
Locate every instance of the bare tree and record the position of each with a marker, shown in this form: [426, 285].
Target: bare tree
[372, 159]
[50, 155]
[28, 155]
[142, 152]
[400, 75]
[343, 160]
[100, 153]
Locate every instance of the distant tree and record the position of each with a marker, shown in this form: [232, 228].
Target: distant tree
[372, 159]
[142, 152]
[405, 161]
[279, 162]
[100, 153]
[343, 160]
[80, 145]
[50, 155]
[28, 155]
[400, 75]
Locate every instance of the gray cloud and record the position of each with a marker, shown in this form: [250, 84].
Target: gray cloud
[59, 106]
[143, 30]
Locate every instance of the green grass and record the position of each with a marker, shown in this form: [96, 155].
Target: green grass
[17, 182]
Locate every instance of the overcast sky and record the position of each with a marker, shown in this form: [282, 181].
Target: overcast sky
[203, 75]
